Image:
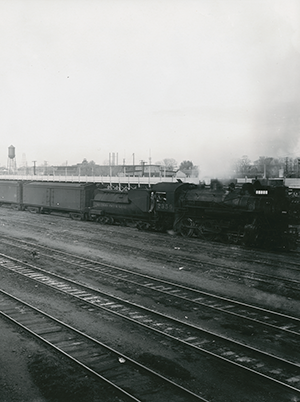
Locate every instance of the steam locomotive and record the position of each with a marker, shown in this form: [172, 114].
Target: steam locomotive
[253, 214]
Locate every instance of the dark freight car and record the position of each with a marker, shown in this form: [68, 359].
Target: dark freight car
[11, 193]
[66, 197]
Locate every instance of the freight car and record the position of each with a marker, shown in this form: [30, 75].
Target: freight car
[11, 193]
[47, 197]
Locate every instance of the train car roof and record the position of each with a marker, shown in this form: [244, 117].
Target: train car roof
[56, 184]
[10, 181]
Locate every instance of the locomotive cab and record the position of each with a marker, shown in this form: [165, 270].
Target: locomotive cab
[167, 195]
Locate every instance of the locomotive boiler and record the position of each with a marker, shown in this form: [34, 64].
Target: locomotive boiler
[252, 215]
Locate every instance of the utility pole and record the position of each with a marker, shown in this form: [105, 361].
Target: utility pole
[286, 166]
[133, 165]
[143, 168]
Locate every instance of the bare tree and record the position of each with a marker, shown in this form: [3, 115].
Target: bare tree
[170, 163]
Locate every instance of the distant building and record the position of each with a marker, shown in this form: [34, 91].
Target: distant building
[147, 170]
[92, 169]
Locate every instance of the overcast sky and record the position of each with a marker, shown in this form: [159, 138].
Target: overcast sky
[202, 80]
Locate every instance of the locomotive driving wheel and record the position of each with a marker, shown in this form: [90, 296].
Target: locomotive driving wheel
[105, 220]
[251, 234]
[187, 227]
[206, 230]
[237, 236]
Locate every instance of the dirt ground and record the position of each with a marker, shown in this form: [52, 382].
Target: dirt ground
[16, 384]
[19, 354]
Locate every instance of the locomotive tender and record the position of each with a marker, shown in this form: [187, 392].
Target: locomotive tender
[252, 215]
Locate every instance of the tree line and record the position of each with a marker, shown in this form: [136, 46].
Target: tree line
[266, 167]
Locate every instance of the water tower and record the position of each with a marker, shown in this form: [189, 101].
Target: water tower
[11, 161]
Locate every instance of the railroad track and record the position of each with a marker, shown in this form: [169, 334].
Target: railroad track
[268, 258]
[133, 381]
[256, 256]
[216, 269]
[283, 372]
[117, 275]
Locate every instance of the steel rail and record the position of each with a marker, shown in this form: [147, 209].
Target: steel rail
[201, 340]
[55, 337]
[215, 302]
[252, 275]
